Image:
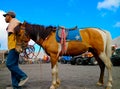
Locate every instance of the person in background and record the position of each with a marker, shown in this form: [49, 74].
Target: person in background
[18, 77]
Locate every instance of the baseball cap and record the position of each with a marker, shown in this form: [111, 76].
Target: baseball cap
[12, 14]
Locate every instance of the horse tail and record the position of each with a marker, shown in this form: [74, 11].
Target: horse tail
[108, 49]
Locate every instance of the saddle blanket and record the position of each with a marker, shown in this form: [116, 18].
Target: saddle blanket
[71, 35]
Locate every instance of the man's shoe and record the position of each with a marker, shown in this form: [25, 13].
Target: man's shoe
[23, 81]
[13, 88]
[9, 87]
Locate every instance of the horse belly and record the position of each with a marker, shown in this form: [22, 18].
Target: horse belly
[77, 47]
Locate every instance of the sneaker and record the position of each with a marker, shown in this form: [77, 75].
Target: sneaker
[23, 81]
[9, 87]
[13, 88]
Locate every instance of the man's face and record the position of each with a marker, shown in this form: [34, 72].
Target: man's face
[7, 18]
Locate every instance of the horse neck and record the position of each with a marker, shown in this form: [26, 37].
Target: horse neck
[38, 33]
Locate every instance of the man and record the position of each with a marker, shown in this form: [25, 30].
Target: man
[18, 77]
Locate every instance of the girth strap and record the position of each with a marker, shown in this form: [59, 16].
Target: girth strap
[63, 41]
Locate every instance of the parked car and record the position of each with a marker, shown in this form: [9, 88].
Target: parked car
[115, 58]
[65, 59]
[84, 59]
[76, 60]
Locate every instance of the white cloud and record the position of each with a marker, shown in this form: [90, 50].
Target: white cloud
[3, 33]
[117, 24]
[109, 4]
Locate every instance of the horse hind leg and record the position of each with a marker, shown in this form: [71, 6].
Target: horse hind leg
[101, 65]
[102, 69]
[108, 64]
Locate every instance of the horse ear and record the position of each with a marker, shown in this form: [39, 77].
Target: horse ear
[20, 24]
[24, 23]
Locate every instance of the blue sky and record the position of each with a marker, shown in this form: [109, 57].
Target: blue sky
[104, 14]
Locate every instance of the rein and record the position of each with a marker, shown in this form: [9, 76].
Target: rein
[29, 51]
[41, 31]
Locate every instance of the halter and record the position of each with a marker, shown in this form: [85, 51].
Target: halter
[28, 52]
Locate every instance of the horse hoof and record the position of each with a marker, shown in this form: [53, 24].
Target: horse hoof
[108, 87]
[99, 84]
[58, 83]
[52, 87]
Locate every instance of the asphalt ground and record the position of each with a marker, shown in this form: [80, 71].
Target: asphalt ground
[71, 76]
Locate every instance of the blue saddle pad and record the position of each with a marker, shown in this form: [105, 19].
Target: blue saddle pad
[71, 35]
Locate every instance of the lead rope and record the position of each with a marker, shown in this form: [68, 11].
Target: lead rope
[41, 73]
[30, 50]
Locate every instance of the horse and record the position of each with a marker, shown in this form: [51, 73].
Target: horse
[94, 40]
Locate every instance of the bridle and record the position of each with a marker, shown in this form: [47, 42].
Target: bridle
[29, 51]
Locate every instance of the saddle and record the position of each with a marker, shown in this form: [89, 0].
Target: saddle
[60, 28]
[74, 28]
[64, 35]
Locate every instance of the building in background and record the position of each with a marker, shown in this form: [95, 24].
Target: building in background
[3, 55]
[116, 42]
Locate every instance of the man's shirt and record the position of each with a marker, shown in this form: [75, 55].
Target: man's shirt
[11, 37]
[13, 23]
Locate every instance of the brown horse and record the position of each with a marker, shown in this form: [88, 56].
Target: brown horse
[93, 39]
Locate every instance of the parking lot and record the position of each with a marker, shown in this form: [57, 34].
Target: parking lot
[72, 76]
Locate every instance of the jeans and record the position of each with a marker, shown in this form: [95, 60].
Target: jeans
[12, 64]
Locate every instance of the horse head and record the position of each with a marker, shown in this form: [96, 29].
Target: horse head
[22, 37]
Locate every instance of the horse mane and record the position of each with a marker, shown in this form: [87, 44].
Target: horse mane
[35, 30]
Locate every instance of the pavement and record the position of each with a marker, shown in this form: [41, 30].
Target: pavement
[71, 76]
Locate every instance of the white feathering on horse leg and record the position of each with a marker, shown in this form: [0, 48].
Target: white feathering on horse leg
[54, 77]
[108, 65]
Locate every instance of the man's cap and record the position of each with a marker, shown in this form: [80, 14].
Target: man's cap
[12, 14]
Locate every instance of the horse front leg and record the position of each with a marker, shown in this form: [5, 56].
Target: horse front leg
[55, 79]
